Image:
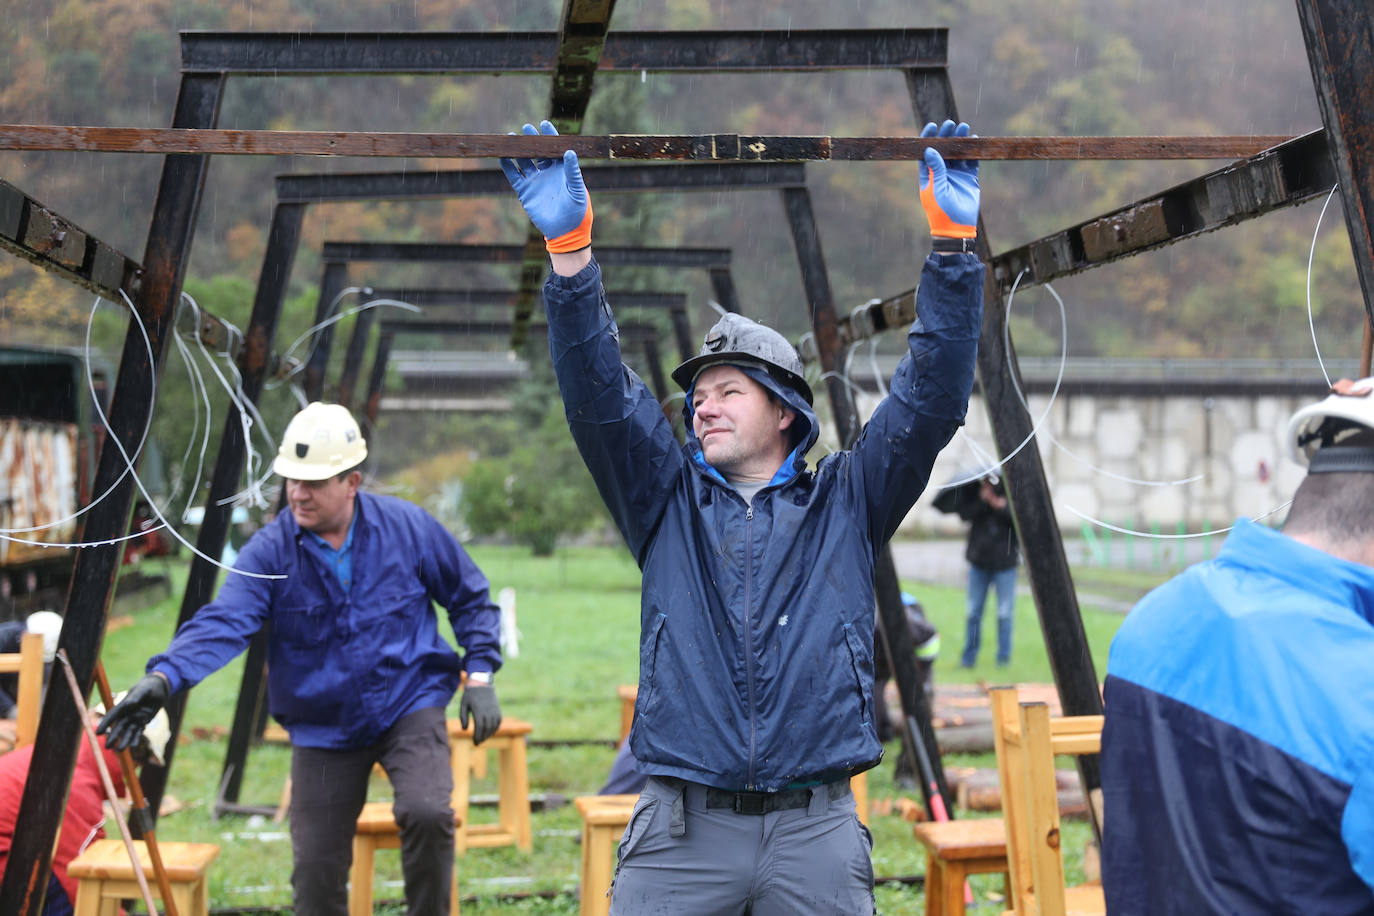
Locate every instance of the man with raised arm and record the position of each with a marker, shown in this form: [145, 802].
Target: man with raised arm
[358, 673]
[756, 649]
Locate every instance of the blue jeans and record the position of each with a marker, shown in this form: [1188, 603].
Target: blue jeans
[1004, 581]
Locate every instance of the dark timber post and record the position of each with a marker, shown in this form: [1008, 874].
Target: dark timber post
[283, 239]
[656, 373]
[1340, 48]
[353, 356]
[332, 282]
[892, 634]
[682, 333]
[581, 34]
[1028, 492]
[723, 285]
[375, 383]
[93, 577]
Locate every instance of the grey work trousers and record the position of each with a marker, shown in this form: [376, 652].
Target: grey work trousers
[679, 856]
[328, 789]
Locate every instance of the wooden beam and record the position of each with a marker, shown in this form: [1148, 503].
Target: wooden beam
[704, 147]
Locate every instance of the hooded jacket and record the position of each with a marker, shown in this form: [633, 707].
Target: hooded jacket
[1238, 746]
[756, 643]
[344, 665]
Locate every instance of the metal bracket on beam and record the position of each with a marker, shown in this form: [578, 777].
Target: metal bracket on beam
[1285, 176]
[51, 241]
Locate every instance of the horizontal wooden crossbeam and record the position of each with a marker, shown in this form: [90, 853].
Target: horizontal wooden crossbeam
[703, 147]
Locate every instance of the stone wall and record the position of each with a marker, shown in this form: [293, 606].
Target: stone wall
[1123, 460]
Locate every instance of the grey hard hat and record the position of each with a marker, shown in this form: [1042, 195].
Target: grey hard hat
[739, 340]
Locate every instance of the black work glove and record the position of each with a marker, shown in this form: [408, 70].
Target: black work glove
[125, 723]
[480, 703]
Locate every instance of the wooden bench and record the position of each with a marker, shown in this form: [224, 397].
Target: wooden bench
[105, 876]
[28, 664]
[955, 850]
[513, 813]
[377, 829]
[604, 818]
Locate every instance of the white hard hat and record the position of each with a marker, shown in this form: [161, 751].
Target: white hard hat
[1348, 410]
[48, 623]
[321, 441]
[156, 733]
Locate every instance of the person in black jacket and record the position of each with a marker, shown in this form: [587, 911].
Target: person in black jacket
[992, 554]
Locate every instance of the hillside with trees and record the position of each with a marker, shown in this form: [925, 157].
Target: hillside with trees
[1039, 67]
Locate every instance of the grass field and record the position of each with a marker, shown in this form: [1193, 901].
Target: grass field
[578, 620]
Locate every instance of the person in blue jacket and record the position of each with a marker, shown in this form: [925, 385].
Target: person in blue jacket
[357, 671]
[756, 647]
[1238, 744]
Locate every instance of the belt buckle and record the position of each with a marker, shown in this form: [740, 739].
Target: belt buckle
[749, 803]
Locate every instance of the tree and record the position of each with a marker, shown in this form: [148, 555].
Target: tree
[537, 492]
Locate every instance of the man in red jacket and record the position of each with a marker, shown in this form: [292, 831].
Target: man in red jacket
[84, 820]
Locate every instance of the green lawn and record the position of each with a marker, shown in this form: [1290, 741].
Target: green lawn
[578, 620]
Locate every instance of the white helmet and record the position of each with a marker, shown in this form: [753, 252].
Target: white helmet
[156, 733]
[49, 624]
[321, 441]
[1348, 410]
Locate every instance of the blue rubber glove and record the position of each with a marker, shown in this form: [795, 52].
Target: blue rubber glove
[949, 192]
[553, 195]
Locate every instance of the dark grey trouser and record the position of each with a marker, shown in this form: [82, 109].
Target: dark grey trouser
[680, 857]
[328, 789]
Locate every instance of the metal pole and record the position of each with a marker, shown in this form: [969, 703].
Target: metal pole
[1027, 490]
[723, 286]
[376, 381]
[253, 363]
[332, 283]
[892, 632]
[93, 576]
[1340, 48]
[353, 356]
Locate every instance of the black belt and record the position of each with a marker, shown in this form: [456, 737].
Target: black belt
[767, 802]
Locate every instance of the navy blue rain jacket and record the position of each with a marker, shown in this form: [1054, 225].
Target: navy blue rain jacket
[1238, 745]
[756, 644]
[344, 666]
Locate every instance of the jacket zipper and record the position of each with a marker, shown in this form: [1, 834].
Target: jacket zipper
[749, 634]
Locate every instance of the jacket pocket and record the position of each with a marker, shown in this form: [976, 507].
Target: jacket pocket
[300, 625]
[648, 661]
[641, 822]
[856, 663]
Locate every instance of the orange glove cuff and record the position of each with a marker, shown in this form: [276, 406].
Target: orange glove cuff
[575, 240]
[941, 226]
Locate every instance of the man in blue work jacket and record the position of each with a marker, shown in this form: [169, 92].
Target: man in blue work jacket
[357, 671]
[1238, 746]
[756, 649]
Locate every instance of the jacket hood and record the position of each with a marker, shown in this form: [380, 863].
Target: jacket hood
[805, 429]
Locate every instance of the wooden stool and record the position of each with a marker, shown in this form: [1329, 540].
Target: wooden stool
[955, 850]
[628, 693]
[377, 829]
[604, 818]
[105, 876]
[513, 828]
[858, 784]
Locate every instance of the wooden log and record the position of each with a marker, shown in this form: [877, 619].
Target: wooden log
[704, 147]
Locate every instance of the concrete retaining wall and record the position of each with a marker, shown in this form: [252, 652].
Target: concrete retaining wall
[1102, 453]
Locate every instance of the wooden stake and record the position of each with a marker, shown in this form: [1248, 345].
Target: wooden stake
[109, 787]
[140, 803]
[703, 147]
